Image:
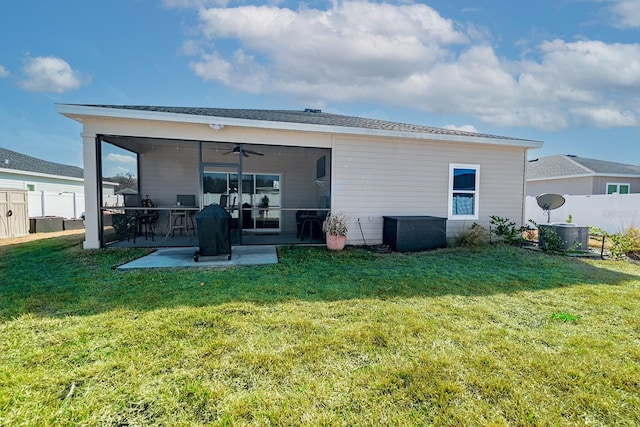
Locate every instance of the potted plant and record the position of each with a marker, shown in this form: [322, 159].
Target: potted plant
[335, 228]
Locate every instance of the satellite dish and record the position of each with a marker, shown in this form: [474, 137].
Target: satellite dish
[548, 202]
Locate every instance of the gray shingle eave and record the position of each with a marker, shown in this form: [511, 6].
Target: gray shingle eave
[12, 161]
[564, 167]
[287, 120]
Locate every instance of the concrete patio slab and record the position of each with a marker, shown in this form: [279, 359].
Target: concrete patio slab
[183, 257]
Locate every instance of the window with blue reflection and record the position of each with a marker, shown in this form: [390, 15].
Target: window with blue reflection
[463, 191]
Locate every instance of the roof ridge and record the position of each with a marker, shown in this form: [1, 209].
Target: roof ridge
[590, 171]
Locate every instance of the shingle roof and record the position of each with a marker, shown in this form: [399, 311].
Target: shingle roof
[13, 160]
[308, 116]
[561, 165]
[605, 167]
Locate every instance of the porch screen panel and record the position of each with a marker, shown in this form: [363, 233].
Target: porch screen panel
[214, 185]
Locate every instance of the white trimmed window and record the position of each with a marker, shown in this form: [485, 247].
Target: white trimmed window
[464, 181]
[618, 187]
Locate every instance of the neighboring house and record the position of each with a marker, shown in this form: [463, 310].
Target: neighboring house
[22, 172]
[52, 189]
[305, 160]
[19, 171]
[573, 175]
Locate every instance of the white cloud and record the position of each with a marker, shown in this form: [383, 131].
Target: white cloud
[190, 48]
[4, 72]
[121, 158]
[49, 74]
[626, 13]
[606, 117]
[409, 55]
[463, 128]
[351, 42]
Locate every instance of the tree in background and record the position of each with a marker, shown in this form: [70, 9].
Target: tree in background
[124, 181]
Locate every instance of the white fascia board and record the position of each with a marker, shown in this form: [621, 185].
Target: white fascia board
[77, 111]
[40, 175]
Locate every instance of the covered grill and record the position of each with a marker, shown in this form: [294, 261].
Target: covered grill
[214, 232]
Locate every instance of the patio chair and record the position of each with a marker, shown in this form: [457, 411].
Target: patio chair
[147, 219]
[309, 222]
[224, 199]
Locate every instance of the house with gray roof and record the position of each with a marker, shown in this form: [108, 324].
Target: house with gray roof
[573, 175]
[277, 172]
[19, 171]
[22, 172]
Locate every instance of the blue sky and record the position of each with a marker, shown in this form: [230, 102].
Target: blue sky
[566, 72]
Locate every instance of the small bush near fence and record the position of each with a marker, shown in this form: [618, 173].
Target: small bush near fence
[548, 239]
[507, 231]
[627, 243]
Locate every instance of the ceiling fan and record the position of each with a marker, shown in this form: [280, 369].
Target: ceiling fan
[245, 152]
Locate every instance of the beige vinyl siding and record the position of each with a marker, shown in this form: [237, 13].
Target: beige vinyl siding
[600, 183]
[575, 186]
[202, 132]
[376, 178]
[166, 172]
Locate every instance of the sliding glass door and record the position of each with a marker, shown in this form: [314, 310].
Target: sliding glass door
[260, 202]
[267, 200]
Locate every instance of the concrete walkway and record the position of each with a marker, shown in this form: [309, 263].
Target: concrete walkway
[183, 257]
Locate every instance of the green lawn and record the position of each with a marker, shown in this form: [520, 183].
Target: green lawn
[498, 336]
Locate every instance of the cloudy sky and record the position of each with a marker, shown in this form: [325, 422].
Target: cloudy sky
[566, 72]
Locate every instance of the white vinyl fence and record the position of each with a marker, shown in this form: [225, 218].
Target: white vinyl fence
[610, 212]
[66, 205]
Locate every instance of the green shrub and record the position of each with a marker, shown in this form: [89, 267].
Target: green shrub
[625, 243]
[124, 224]
[548, 239]
[595, 231]
[507, 231]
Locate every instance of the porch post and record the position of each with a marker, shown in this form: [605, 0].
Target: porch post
[240, 183]
[91, 191]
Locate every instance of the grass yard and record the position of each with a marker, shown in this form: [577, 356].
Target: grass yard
[498, 336]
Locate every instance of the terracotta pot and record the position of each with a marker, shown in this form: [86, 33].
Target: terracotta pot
[336, 243]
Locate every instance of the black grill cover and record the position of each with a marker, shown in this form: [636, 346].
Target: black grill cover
[214, 231]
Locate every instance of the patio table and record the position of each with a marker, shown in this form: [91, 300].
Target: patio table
[188, 209]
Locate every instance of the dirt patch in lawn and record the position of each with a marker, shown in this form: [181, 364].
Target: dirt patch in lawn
[38, 236]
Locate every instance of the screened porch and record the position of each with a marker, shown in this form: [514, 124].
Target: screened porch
[274, 194]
